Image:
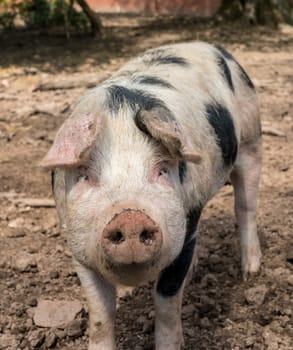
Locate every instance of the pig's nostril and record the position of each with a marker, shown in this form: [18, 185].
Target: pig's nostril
[116, 237]
[146, 237]
[131, 237]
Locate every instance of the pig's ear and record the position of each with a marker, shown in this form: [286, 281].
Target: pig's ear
[162, 126]
[73, 141]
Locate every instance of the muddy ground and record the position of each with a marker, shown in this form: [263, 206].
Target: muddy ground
[220, 311]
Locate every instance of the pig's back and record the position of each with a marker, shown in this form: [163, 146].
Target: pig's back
[205, 89]
[190, 78]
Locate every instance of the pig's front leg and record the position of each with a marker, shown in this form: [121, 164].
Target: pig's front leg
[168, 325]
[245, 179]
[101, 297]
[169, 290]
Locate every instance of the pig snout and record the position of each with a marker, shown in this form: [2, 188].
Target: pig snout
[131, 237]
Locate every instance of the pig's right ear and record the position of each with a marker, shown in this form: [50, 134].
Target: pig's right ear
[73, 141]
[162, 126]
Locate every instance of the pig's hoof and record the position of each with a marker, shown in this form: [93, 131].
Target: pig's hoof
[250, 265]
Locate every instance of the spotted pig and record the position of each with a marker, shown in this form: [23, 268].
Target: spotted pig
[135, 164]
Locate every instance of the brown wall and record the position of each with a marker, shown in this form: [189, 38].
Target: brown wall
[203, 8]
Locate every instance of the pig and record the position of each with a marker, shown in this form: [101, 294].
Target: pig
[133, 167]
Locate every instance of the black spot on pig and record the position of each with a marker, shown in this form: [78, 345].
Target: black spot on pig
[134, 98]
[140, 125]
[52, 179]
[150, 80]
[221, 120]
[172, 277]
[162, 56]
[225, 70]
[244, 75]
[192, 221]
[182, 171]
[225, 53]
[180, 61]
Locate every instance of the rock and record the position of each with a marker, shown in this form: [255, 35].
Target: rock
[270, 339]
[8, 341]
[141, 319]
[51, 340]
[24, 344]
[54, 274]
[249, 342]
[36, 339]
[271, 131]
[30, 312]
[25, 263]
[16, 223]
[256, 295]
[208, 280]
[207, 306]
[32, 250]
[187, 311]
[17, 330]
[32, 302]
[56, 313]
[60, 334]
[28, 323]
[205, 322]
[59, 248]
[76, 328]
[148, 326]
[151, 314]
[190, 332]
[16, 232]
[37, 229]
[290, 280]
[124, 292]
[37, 202]
[278, 274]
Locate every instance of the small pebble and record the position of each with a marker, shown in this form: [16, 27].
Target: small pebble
[256, 295]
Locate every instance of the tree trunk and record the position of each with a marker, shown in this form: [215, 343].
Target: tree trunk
[96, 25]
[265, 12]
[230, 9]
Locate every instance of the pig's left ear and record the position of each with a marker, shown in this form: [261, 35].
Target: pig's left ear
[73, 141]
[161, 125]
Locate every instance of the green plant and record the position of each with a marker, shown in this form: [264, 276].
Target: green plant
[44, 14]
[7, 14]
[64, 12]
[36, 13]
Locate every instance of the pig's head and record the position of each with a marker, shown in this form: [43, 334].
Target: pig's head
[124, 210]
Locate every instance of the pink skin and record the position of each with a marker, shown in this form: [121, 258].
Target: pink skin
[131, 237]
[87, 179]
[160, 174]
[73, 141]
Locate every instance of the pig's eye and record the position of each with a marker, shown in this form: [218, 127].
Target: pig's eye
[83, 173]
[160, 173]
[83, 177]
[163, 171]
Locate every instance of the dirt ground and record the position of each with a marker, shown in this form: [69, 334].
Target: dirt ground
[220, 311]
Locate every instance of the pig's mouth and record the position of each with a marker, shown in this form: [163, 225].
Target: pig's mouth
[132, 274]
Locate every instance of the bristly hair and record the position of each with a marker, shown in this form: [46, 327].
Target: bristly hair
[136, 99]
